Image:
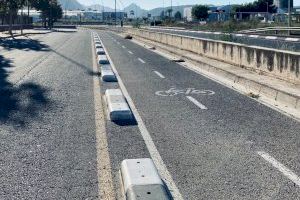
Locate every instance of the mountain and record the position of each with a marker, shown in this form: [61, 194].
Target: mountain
[158, 11]
[71, 5]
[100, 8]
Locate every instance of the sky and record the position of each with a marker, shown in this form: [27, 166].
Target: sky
[150, 4]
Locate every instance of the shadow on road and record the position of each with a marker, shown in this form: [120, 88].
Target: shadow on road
[23, 44]
[18, 104]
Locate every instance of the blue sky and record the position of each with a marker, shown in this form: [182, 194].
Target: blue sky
[149, 4]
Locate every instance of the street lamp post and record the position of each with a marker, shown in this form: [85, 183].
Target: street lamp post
[289, 20]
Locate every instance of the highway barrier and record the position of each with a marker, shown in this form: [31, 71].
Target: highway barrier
[142, 181]
[281, 64]
[118, 108]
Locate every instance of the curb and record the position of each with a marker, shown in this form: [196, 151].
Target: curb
[142, 181]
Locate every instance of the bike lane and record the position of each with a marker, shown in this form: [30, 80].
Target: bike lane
[211, 152]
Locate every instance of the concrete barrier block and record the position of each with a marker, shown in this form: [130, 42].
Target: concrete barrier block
[142, 181]
[102, 59]
[100, 51]
[107, 74]
[97, 45]
[118, 108]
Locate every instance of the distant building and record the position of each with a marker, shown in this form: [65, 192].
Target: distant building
[282, 5]
[109, 16]
[187, 14]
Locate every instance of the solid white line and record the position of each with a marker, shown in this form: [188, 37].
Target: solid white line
[159, 163]
[123, 47]
[197, 103]
[130, 52]
[283, 169]
[159, 74]
[141, 60]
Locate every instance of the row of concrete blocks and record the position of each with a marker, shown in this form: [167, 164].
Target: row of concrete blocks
[140, 177]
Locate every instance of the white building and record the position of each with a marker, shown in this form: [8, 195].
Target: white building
[187, 14]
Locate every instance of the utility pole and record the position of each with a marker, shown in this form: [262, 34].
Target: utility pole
[267, 12]
[171, 8]
[289, 22]
[115, 12]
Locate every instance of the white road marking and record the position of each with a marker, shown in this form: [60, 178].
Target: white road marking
[271, 37]
[105, 185]
[130, 52]
[159, 163]
[141, 60]
[283, 169]
[292, 39]
[254, 36]
[159, 74]
[123, 47]
[239, 35]
[197, 103]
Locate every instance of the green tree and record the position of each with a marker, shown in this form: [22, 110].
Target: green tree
[200, 12]
[51, 11]
[178, 15]
[169, 11]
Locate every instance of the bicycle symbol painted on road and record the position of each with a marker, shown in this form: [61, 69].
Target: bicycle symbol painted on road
[187, 91]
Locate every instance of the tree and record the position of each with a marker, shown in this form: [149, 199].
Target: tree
[51, 11]
[12, 7]
[169, 11]
[178, 15]
[162, 15]
[200, 12]
[257, 6]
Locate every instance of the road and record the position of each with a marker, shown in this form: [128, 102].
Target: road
[252, 41]
[47, 120]
[213, 153]
[214, 142]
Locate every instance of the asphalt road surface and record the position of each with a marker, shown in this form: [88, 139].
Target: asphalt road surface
[47, 125]
[274, 44]
[215, 142]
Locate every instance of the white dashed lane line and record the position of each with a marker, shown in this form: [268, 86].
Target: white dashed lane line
[159, 74]
[280, 167]
[197, 103]
[141, 60]
[123, 47]
[130, 52]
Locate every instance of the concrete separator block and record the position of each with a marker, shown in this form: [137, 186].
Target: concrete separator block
[118, 108]
[97, 46]
[107, 74]
[142, 181]
[102, 59]
[100, 51]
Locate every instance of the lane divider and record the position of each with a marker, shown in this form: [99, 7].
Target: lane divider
[159, 74]
[117, 106]
[142, 181]
[118, 109]
[141, 60]
[197, 103]
[130, 52]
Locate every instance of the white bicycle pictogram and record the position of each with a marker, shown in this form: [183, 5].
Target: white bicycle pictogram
[187, 91]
